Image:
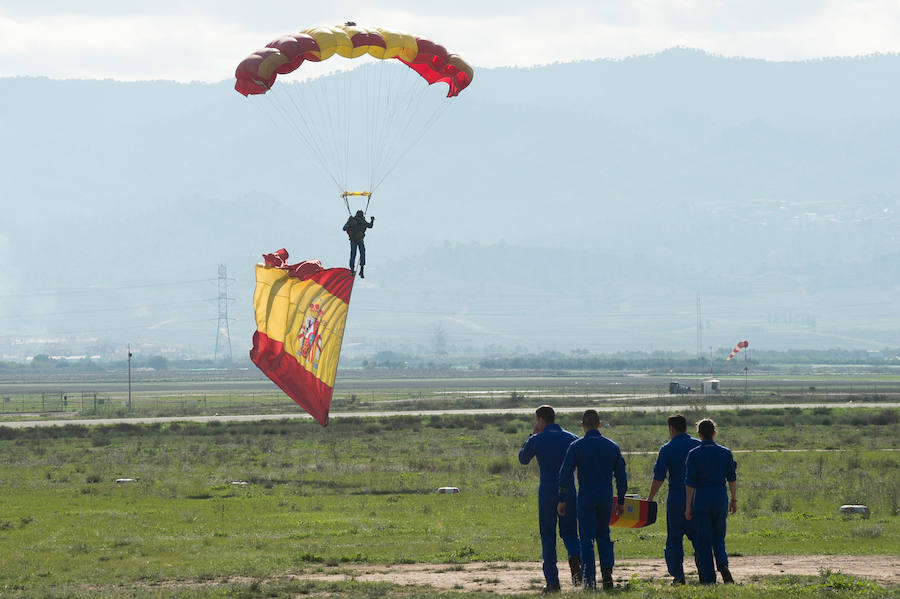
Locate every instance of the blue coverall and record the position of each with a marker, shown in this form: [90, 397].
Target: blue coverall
[356, 230]
[708, 468]
[550, 446]
[597, 460]
[671, 459]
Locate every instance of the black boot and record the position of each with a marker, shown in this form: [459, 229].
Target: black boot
[607, 578]
[548, 589]
[575, 567]
[678, 581]
[727, 578]
[362, 268]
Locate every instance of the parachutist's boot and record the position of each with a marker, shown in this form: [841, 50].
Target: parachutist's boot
[362, 274]
[607, 578]
[550, 589]
[727, 578]
[575, 567]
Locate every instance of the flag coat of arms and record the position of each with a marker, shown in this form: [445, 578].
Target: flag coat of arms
[301, 310]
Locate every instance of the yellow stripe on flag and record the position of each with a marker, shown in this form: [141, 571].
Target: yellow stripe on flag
[304, 316]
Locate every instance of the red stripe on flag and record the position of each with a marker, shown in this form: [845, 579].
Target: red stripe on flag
[645, 507]
[336, 281]
[299, 384]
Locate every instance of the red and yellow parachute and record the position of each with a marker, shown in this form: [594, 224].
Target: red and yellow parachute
[301, 310]
[257, 72]
[361, 122]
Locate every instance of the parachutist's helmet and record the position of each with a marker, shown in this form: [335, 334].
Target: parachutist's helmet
[359, 213]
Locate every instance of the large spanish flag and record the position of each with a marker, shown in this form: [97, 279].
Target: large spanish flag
[301, 310]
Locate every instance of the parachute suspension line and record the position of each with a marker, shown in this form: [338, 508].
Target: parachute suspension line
[340, 127]
[435, 117]
[392, 109]
[381, 107]
[299, 120]
[343, 126]
[321, 88]
[308, 137]
[396, 99]
[349, 93]
[313, 110]
[370, 141]
[391, 160]
[410, 110]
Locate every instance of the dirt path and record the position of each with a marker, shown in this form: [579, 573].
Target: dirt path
[517, 577]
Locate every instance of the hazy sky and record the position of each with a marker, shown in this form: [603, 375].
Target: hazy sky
[205, 39]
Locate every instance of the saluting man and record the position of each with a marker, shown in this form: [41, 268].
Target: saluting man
[670, 462]
[597, 460]
[549, 443]
[709, 467]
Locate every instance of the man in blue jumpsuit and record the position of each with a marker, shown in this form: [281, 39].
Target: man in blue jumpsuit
[549, 443]
[597, 459]
[670, 461]
[355, 227]
[709, 466]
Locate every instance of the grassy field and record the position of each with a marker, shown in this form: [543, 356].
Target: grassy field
[362, 492]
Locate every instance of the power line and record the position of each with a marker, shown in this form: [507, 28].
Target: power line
[73, 290]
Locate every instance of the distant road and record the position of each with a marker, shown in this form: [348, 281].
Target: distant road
[465, 412]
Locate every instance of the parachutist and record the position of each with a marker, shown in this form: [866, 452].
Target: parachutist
[356, 230]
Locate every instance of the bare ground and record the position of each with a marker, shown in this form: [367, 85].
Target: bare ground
[516, 577]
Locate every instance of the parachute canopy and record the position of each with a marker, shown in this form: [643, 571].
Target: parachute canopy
[360, 120]
[301, 310]
[256, 73]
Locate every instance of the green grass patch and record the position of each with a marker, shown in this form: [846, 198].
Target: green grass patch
[352, 494]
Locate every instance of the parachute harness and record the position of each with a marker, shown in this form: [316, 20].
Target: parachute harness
[348, 194]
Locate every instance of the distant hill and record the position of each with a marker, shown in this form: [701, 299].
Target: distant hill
[590, 202]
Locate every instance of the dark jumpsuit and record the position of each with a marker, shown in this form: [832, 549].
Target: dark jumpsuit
[709, 466]
[671, 461]
[597, 460]
[550, 446]
[356, 230]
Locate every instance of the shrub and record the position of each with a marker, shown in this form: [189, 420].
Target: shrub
[781, 504]
[499, 465]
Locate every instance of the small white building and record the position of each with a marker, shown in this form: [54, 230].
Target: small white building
[710, 387]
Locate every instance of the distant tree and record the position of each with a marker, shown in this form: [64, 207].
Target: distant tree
[41, 361]
[158, 363]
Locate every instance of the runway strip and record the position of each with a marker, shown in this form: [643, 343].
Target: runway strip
[465, 412]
